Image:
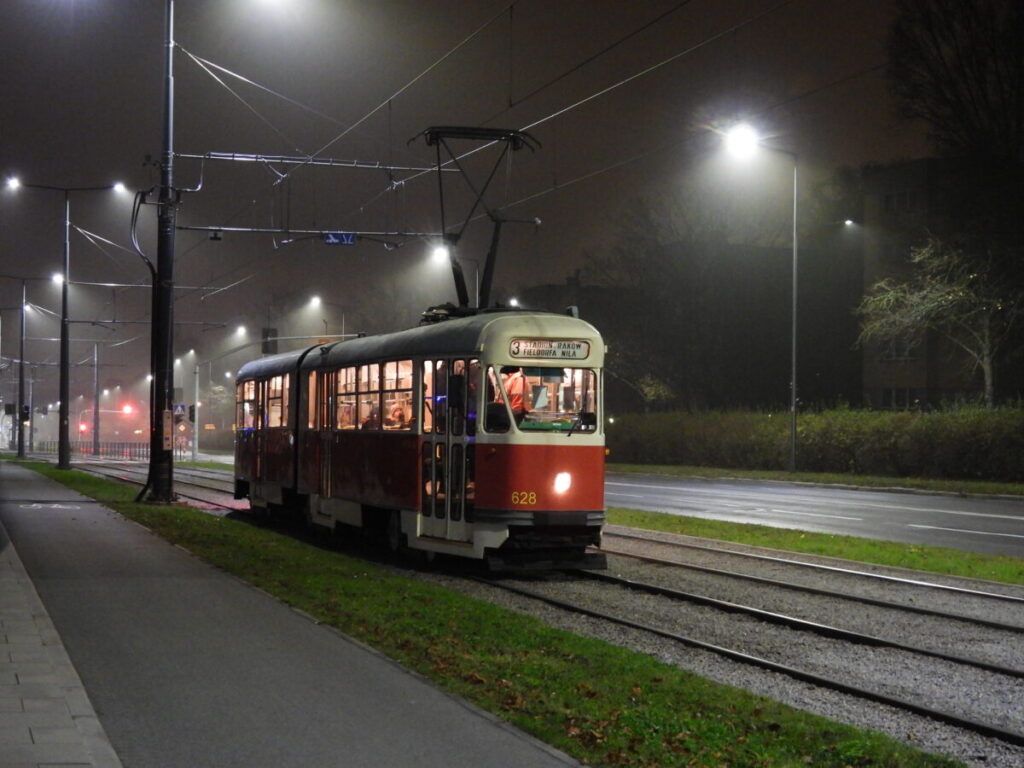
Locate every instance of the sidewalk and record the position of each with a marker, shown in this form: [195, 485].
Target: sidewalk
[45, 715]
[188, 667]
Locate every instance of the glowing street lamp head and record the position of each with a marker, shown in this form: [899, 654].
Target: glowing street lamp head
[314, 302]
[119, 187]
[741, 141]
[127, 409]
[240, 331]
[13, 182]
[58, 278]
[440, 254]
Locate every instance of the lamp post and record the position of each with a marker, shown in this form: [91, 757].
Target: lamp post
[21, 376]
[742, 141]
[63, 437]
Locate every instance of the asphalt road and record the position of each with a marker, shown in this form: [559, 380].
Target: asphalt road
[976, 524]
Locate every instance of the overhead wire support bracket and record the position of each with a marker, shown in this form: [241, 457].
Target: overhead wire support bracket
[438, 136]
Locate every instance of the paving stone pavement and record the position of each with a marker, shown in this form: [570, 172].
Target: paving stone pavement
[46, 719]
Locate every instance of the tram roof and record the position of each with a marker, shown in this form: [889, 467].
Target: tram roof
[459, 336]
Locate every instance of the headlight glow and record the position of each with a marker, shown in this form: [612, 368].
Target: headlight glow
[563, 481]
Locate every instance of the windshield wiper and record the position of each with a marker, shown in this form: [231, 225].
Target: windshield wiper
[579, 420]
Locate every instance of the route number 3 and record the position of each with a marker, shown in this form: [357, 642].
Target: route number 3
[524, 497]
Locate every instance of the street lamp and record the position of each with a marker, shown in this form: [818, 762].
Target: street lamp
[63, 437]
[742, 141]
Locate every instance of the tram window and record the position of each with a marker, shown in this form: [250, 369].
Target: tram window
[497, 420]
[345, 403]
[440, 397]
[245, 418]
[544, 399]
[472, 402]
[325, 417]
[311, 400]
[398, 398]
[277, 401]
[369, 396]
[428, 396]
[457, 396]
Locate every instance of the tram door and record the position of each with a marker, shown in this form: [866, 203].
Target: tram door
[449, 434]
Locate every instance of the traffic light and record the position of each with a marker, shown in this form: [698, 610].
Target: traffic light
[26, 413]
[192, 414]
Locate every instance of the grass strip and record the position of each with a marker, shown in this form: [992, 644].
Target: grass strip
[983, 487]
[945, 560]
[605, 705]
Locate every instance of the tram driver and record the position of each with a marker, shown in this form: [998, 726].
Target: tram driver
[517, 388]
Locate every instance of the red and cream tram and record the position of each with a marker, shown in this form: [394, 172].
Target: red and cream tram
[478, 437]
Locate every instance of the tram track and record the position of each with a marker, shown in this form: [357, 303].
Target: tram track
[661, 622]
[826, 630]
[210, 495]
[913, 592]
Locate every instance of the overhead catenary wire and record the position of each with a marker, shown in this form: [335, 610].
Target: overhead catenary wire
[203, 65]
[513, 103]
[602, 92]
[558, 186]
[465, 41]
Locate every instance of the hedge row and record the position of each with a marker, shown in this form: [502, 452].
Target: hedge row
[966, 443]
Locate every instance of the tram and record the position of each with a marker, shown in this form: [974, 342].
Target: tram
[478, 437]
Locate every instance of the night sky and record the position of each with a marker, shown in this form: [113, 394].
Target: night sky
[82, 106]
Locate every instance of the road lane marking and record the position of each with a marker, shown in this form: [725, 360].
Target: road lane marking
[812, 514]
[963, 530]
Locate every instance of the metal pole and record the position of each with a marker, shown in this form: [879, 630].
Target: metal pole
[195, 414]
[792, 373]
[63, 438]
[95, 399]
[161, 480]
[31, 411]
[21, 378]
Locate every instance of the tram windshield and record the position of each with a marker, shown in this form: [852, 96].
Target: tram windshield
[543, 399]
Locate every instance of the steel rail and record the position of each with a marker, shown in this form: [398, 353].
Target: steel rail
[831, 568]
[984, 729]
[991, 623]
[124, 476]
[795, 622]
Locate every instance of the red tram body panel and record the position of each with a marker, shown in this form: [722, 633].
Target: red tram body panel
[479, 437]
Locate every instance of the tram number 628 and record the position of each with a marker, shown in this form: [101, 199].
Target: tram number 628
[524, 497]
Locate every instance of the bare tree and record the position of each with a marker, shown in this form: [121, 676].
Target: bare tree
[958, 65]
[950, 294]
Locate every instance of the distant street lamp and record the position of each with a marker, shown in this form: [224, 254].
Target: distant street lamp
[742, 141]
[63, 437]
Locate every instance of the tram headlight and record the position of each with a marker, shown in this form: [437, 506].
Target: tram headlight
[563, 481]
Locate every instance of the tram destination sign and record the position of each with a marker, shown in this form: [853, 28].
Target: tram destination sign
[550, 349]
